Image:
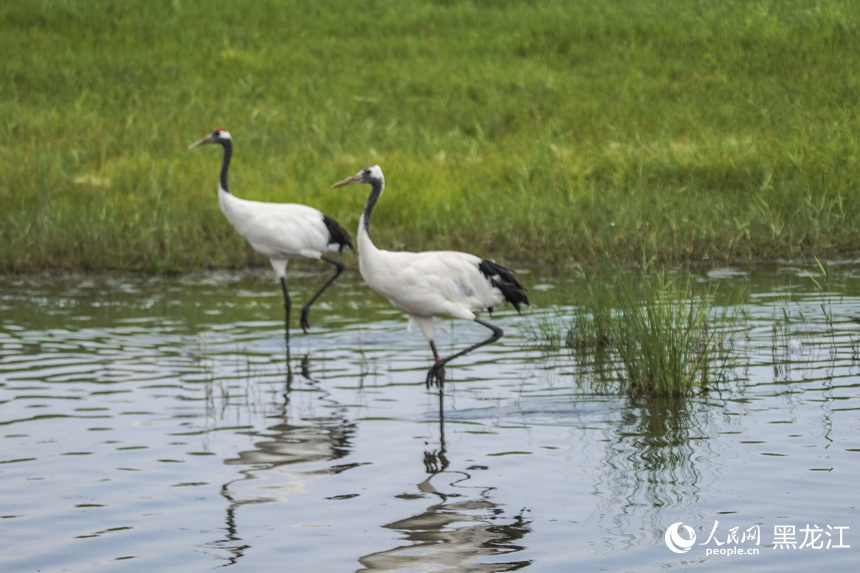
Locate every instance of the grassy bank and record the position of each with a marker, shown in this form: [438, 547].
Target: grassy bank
[551, 130]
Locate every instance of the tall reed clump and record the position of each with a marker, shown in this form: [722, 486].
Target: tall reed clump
[666, 335]
[660, 331]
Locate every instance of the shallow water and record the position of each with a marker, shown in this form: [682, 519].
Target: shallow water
[153, 424]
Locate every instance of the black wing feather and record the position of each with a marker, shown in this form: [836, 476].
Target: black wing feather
[337, 234]
[504, 279]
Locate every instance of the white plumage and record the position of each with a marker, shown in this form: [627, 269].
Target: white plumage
[432, 283]
[427, 284]
[279, 231]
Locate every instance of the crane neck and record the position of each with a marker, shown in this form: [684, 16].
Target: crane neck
[375, 193]
[225, 163]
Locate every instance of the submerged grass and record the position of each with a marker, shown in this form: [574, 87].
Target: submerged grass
[551, 130]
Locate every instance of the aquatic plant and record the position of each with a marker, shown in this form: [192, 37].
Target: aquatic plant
[666, 335]
[591, 324]
[798, 332]
[660, 330]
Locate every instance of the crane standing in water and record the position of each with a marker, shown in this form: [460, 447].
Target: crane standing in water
[280, 231]
[432, 283]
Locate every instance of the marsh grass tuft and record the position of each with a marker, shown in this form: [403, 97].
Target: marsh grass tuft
[591, 325]
[666, 335]
[661, 331]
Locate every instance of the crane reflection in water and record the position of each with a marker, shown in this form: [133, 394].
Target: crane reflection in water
[460, 526]
[289, 449]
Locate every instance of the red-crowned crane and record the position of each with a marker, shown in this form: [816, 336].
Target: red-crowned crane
[280, 231]
[432, 283]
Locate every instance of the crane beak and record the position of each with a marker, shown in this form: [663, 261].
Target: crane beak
[348, 181]
[203, 141]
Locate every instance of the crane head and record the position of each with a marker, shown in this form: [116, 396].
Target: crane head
[370, 174]
[218, 135]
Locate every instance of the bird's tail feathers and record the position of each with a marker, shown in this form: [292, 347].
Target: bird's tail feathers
[504, 279]
[338, 235]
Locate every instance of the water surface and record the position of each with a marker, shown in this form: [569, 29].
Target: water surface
[156, 424]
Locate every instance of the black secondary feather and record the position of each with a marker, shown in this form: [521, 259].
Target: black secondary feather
[504, 279]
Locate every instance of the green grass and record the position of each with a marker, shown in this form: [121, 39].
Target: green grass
[551, 131]
[658, 333]
[667, 338]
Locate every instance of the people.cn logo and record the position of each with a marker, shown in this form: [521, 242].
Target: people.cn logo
[675, 541]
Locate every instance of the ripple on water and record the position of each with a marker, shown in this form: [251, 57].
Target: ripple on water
[155, 423]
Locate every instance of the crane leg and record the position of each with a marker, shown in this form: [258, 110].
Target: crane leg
[306, 309]
[436, 374]
[287, 305]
